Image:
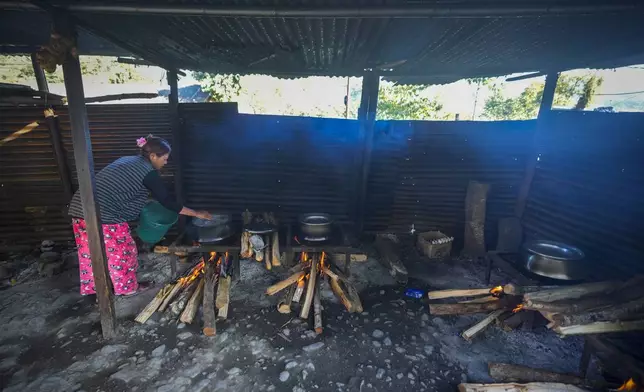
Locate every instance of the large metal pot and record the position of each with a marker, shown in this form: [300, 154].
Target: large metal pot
[315, 225]
[213, 230]
[554, 260]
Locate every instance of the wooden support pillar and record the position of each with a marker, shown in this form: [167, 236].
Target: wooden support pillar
[85, 169]
[177, 139]
[367, 119]
[41, 79]
[54, 132]
[531, 164]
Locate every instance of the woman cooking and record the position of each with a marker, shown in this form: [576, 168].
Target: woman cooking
[122, 190]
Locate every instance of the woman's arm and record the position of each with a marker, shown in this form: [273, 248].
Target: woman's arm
[159, 192]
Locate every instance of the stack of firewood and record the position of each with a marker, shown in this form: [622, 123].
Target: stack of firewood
[304, 283]
[588, 308]
[263, 248]
[207, 284]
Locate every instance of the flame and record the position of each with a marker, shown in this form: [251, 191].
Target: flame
[518, 308]
[629, 385]
[304, 257]
[212, 256]
[322, 261]
[496, 291]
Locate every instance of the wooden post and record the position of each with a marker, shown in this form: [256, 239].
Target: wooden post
[54, 132]
[177, 140]
[367, 119]
[531, 164]
[41, 79]
[85, 169]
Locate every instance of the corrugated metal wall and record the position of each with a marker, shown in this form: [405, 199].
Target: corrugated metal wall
[289, 165]
[32, 202]
[589, 186]
[423, 168]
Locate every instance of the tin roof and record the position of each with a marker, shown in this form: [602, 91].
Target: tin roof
[420, 42]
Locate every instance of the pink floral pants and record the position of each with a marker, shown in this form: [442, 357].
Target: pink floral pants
[121, 253]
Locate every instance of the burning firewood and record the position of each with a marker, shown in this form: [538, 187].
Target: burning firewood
[440, 294]
[180, 303]
[279, 286]
[317, 311]
[299, 290]
[310, 288]
[246, 251]
[223, 297]
[480, 300]
[152, 307]
[267, 253]
[342, 296]
[284, 305]
[210, 278]
[189, 312]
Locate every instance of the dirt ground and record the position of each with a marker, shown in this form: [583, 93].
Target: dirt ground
[50, 338]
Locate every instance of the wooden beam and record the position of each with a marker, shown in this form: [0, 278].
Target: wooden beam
[601, 327]
[440, 294]
[177, 140]
[85, 169]
[118, 97]
[367, 121]
[571, 292]
[531, 163]
[59, 152]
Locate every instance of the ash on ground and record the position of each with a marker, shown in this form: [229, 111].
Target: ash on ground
[50, 340]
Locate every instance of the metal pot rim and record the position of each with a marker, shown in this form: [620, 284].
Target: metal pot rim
[530, 245]
[304, 217]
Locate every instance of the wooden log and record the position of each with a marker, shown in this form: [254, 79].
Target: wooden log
[440, 294]
[223, 296]
[188, 314]
[209, 319]
[570, 292]
[317, 309]
[310, 288]
[479, 327]
[246, 252]
[334, 272]
[267, 253]
[279, 286]
[450, 309]
[275, 250]
[173, 293]
[513, 289]
[299, 290]
[177, 306]
[301, 266]
[340, 257]
[284, 305]
[356, 303]
[503, 372]
[389, 258]
[339, 292]
[633, 310]
[480, 300]
[625, 294]
[601, 327]
[514, 387]
[153, 305]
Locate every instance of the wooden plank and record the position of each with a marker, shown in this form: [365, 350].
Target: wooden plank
[84, 160]
[440, 294]
[571, 292]
[503, 372]
[531, 164]
[479, 327]
[209, 317]
[601, 327]
[451, 309]
[515, 387]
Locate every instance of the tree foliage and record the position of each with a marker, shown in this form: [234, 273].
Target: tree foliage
[526, 105]
[220, 88]
[408, 102]
[19, 70]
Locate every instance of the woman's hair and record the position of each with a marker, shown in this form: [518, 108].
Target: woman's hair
[153, 145]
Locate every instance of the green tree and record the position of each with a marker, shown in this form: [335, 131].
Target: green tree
[407, 102]
[479, 82]
[569, 89]
[18, 69]
[220, 88]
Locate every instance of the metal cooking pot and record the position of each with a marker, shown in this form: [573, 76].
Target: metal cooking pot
[554, 260]
[213, 230]
[315, 225]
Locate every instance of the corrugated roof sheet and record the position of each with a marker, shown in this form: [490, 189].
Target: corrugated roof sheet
[417, 50]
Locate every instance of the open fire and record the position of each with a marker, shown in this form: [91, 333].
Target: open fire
[629, 385]
[206, 285]
[304, 288]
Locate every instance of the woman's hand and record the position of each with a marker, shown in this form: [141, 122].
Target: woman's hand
[203, 215]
